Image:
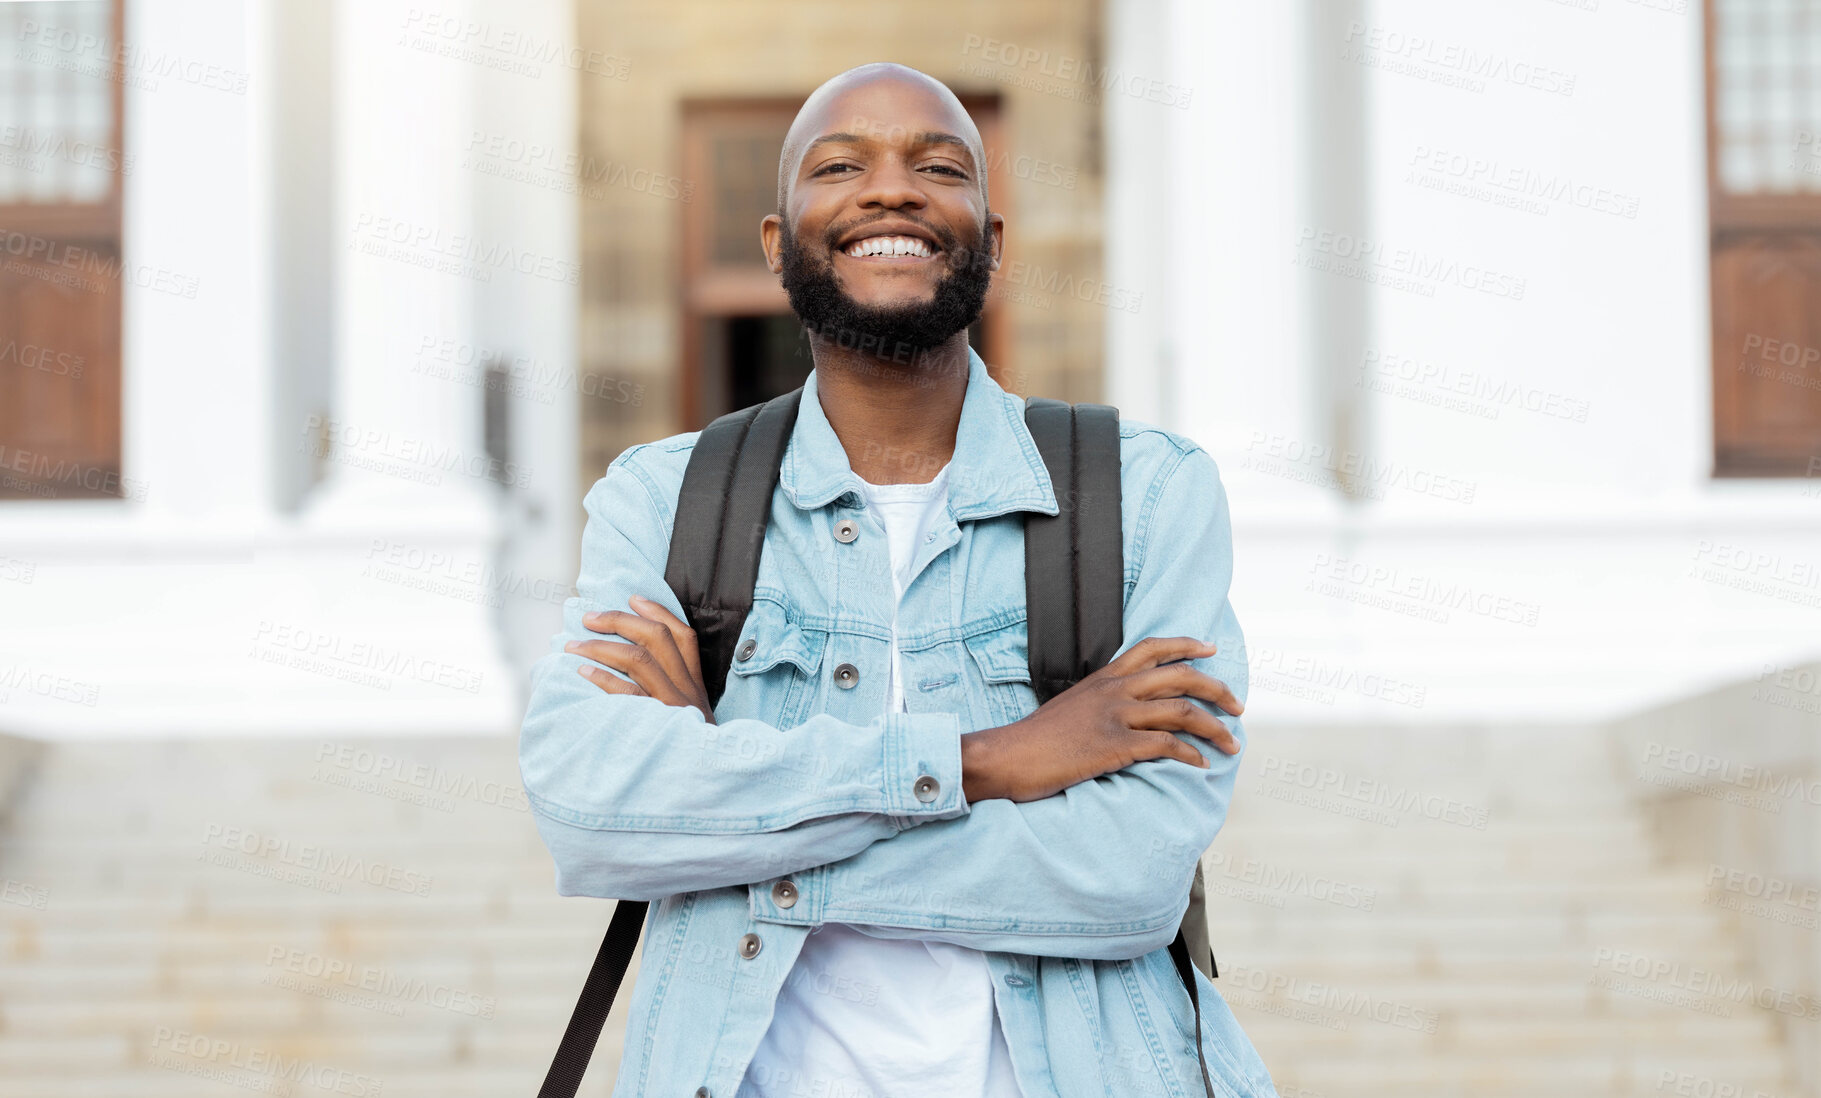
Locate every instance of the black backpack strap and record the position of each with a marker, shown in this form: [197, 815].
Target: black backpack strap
[1074, 595]
[1074, 561]
[585, 1023]
[1179, 952]
[722, 511]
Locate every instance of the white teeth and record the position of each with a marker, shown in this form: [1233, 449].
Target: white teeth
[890, 245]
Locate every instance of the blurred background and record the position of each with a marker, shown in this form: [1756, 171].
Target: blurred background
[1502, 320]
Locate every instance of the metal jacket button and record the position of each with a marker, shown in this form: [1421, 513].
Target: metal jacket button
[747, 649]
[846, 530]
[749, 946]
[784, 894]
[847, 676]
[926, 788]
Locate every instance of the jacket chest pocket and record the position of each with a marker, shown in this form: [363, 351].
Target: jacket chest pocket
[1002, 657]
[773, 673]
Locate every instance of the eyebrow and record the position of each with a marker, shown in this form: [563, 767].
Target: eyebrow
[927, 137]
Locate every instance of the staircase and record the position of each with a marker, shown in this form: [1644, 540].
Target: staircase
[417, 949]
[307, 917]
[1459, 912]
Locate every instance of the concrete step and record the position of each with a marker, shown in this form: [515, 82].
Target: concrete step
[1590, 1074]
[1320, 1034]
[1471, 949]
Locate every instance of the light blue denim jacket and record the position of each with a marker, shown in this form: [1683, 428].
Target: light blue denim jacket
[1074, 897]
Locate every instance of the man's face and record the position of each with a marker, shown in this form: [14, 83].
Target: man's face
[885, 230]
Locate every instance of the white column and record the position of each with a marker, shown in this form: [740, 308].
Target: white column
[400, 443]
[1140, 190]
[533, 322]
[196, 390]
[1205, 203]
[396, 572]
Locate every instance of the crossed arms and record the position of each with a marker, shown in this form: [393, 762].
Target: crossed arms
[639, 796]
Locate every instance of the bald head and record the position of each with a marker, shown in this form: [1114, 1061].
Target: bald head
[882, 102]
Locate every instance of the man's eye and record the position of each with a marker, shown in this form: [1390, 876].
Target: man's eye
[826, 168]
[956, 172]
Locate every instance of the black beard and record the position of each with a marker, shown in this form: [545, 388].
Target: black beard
[827, 311]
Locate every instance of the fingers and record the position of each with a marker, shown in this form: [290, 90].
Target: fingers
[653, 637]
[1175, 679]
[608, 681]
[680, 633]
[635, 660]
[1152, 651]
[1179, 714]
[1157, 744]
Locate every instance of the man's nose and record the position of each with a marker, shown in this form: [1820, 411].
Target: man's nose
[892, 185]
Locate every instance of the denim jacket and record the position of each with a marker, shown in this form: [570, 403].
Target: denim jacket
[805, 802]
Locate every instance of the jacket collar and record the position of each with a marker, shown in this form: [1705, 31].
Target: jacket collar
[996, 467]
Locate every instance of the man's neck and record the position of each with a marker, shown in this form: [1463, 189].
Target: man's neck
[896, 417]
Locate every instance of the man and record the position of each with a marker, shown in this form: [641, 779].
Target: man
[878, 867]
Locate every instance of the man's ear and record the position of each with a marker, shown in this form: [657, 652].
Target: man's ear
[995, 229]
[771, 233]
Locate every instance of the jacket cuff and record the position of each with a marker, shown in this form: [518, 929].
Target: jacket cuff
[922, 768]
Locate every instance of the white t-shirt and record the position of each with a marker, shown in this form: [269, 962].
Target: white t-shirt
[886, 1017]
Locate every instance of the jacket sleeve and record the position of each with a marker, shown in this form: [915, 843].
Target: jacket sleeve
[639, 800]
[1101, 870]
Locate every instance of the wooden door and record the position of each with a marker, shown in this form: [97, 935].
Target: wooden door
[61, 274]
[1764, 185]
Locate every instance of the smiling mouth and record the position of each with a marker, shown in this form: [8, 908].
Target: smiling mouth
[887, 248]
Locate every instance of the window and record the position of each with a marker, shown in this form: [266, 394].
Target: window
[61, 166]
[1764, 183]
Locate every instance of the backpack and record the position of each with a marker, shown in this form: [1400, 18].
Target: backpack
[1074, 629]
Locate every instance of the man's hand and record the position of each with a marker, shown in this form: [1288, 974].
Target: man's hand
[1121, 714]
[661, 658]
